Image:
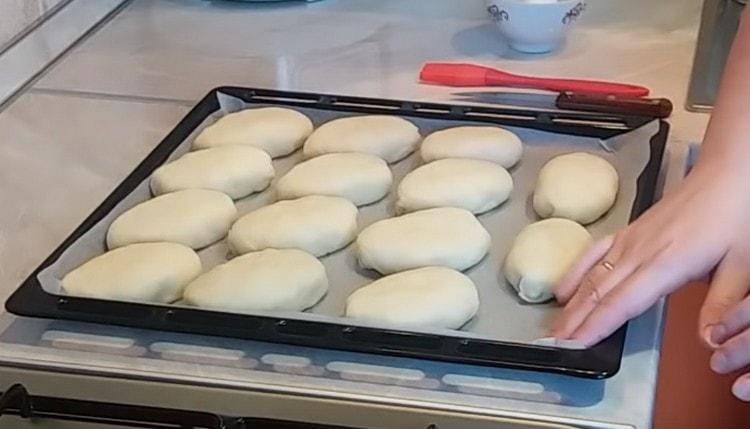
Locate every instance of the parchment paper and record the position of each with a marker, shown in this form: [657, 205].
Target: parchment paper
[502, 316]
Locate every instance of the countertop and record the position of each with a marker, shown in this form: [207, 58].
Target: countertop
[75, 131]
[18, 15]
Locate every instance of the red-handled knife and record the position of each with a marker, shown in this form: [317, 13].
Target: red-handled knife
[452, 74]
[607, 104]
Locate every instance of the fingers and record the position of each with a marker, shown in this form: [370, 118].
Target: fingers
[733, 354]
[567, 287]
[734, 321]
[630, 299]
[741, 388]
[729, 286]
[594, 287]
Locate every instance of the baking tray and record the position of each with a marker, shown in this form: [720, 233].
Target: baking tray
[503, 333]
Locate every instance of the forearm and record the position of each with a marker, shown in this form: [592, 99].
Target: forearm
[727, 141]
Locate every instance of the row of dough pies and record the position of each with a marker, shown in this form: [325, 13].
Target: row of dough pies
[152, 245]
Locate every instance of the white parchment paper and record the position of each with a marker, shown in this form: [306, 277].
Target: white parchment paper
[502, 316]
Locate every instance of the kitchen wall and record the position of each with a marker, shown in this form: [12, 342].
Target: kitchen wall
[16, 15]
[661, 14]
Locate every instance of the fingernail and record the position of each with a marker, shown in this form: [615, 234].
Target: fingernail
[708, 336]
[718, 362]
[741, 390]
[718, 333]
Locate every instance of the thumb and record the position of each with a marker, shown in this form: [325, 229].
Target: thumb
[729, 285]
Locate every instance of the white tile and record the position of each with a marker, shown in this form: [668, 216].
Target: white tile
[31, 54]
[16, 15]
[183, 49]
[59, 158]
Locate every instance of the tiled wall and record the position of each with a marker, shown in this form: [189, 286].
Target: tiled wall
[661, 14]
[16, 15]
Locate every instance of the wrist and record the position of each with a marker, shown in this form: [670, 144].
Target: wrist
[711, 164]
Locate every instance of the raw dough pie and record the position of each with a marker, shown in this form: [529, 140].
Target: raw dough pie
[388, 137]
[144, 272]
[278, 131]
[492, 144]
[316, 224]
[269, 280]
[237, 171]
[447, 237]
[477, 186]
[358, 177]
[430, 297]
[193, 217]
[541, 255]
[576, 186]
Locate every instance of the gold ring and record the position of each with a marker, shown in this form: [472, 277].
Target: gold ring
[608, 265]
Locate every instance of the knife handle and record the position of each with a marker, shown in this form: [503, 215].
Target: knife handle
[656, 107]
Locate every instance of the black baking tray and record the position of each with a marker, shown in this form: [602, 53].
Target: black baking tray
[600, 361]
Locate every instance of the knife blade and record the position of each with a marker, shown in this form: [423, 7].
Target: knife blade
[607, 104]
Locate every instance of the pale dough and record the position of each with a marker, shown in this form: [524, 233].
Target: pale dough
[193, 217]
[237, 171]
[541, 255]
[576, 186]
[358, 177]
[388, 137]
[430, 297]
[269, 280]
[447, 237]
[277, 131]
[477, 186]
[492, 144]
[144, 272]
[316, 224]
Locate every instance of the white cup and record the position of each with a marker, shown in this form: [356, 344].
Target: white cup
[535, 26]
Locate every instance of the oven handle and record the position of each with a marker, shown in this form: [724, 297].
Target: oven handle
[16, 397]
[16, 400]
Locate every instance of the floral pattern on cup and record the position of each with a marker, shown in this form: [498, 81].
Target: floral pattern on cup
[497, 14]
[574, 13]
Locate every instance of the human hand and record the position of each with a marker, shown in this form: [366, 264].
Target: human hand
[732, 337]
[700, 227]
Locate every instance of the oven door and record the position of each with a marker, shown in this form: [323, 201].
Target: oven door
[19, 409]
